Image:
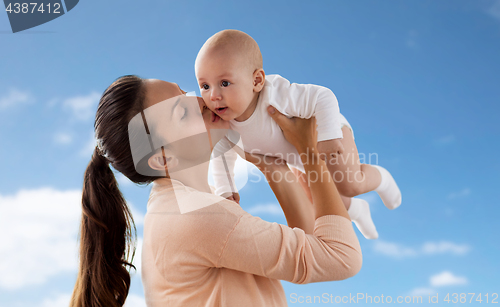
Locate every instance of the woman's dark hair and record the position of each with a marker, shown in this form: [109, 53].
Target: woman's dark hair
[107, 230]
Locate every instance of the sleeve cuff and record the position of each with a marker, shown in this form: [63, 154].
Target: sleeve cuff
[330, 135]
[335, 227]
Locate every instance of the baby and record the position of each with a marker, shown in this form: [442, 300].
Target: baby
[234, 86]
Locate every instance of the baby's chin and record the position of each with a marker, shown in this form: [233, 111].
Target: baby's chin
[225, 117]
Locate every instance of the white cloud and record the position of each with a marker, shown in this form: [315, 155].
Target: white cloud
[494, 10]
[137, 258]
[40, 230]
[63, 138]
[255, 175]
[447, 278]
[396, 250]
[393, 249]
[241, 170]
[462, 193]
[83, 107]
[15, 97]
[138, 216]
[273, 209]
[431, 248]
[89, 146]
[122, 180]
[134, 300]
[62, 300]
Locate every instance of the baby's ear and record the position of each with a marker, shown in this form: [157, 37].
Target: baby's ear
[259, 79]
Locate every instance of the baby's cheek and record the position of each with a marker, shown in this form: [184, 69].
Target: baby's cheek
[206, 99]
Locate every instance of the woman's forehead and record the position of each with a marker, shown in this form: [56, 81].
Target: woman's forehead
[158, 90]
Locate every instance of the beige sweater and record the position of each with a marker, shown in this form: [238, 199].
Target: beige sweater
[219, 255]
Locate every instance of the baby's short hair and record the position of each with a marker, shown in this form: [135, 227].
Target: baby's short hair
[236, 42]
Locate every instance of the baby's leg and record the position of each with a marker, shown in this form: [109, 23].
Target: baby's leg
[353, 178]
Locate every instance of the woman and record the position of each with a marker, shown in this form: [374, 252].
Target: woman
[200, 249]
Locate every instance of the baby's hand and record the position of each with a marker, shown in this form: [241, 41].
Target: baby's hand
[234, 197]
[331, 147]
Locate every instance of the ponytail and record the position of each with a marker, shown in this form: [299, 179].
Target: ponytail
[107, 231]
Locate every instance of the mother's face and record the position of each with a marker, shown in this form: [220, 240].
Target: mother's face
[179, 124]
[160, 91]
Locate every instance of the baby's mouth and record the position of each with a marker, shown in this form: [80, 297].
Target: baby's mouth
[221, 110]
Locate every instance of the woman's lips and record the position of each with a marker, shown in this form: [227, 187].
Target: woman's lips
[221, 110]
[215, 118]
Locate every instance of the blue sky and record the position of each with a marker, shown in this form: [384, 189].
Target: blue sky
[418, 81]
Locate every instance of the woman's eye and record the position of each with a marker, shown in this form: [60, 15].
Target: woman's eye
[185, 113]
[205, 87]
[224, 83]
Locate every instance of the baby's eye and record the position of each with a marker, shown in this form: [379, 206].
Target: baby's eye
[205, 86]
[225, 83]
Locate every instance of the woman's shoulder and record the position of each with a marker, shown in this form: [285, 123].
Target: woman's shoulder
[181, 218]
[172, 196]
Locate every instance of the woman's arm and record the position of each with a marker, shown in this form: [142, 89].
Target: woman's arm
[276, 251]
[223, 235]
[296, 206]
[303, 135]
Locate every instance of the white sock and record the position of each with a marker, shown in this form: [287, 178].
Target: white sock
[359, 212]
[388, 189]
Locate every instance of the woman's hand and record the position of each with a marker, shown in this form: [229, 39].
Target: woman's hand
[296, 206]
[300, 132]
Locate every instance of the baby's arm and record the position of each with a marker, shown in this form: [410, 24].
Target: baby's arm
[223, 161]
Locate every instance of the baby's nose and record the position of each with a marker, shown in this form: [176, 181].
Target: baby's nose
[215, 95]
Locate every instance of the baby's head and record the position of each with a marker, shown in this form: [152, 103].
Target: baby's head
[230, 75]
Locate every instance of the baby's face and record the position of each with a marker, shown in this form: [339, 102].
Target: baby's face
[226, 83]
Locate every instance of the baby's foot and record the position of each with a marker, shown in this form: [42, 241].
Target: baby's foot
[388, 189]
[359, 212]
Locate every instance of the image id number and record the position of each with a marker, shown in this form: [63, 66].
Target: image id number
[29, 8]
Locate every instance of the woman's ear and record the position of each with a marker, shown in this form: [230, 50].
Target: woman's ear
[259, 78]
[162, 162]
